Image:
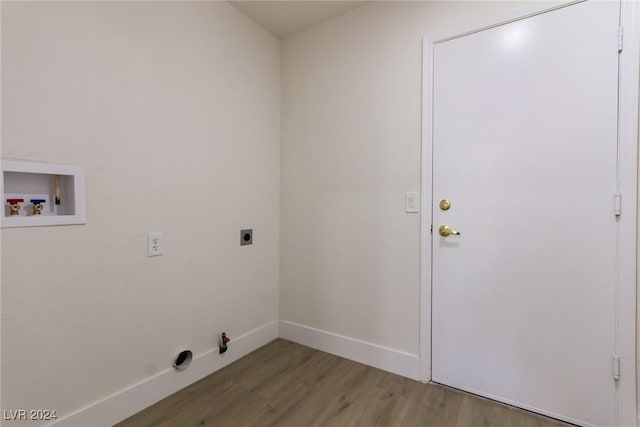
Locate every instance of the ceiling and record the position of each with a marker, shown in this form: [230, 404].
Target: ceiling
[284, 18]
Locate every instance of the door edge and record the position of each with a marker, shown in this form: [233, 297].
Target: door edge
[628, 92]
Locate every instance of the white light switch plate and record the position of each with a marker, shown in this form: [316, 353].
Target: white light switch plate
[412, 202]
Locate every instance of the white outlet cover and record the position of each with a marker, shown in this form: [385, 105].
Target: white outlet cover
[154, 244]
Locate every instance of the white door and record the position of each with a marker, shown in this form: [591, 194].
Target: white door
[525, 148]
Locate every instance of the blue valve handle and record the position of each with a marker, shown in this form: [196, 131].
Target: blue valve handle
[37, 201]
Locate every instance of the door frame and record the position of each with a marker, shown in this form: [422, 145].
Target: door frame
[628, 93]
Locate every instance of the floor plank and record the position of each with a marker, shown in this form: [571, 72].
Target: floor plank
[286, 384]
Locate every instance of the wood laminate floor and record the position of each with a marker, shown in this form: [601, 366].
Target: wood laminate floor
[287, 384]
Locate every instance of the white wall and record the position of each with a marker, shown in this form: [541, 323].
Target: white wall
[350, 256]
[195, 87]
[174, 110]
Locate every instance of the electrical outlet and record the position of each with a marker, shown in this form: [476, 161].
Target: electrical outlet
[154, 244]
[246, 237]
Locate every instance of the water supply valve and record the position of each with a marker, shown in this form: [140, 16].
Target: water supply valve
[224, 339]
[14, 206]
[37, 205]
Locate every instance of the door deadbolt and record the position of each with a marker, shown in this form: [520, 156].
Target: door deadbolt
[445, 204]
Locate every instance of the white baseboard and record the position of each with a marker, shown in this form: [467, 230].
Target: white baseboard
[139, 396]
[384, 358]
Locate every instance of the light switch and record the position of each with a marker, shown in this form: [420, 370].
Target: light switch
[412, 202]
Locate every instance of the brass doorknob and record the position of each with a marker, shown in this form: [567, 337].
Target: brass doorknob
[446, 231]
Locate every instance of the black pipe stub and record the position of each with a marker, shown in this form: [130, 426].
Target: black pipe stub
[182, 360]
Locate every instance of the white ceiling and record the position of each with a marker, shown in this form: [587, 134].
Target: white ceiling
[284, 18]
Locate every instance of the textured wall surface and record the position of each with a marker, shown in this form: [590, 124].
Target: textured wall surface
[173, 108]
[351, 137]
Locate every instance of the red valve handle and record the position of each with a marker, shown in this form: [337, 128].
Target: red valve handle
[14, 201]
